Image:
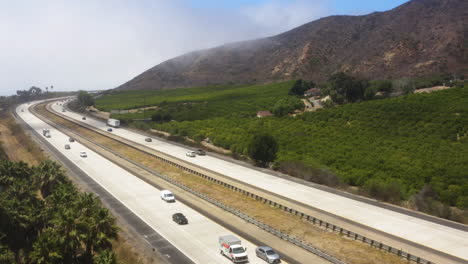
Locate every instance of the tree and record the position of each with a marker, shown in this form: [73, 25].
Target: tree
[263, 148]
[97, 225]
[404, 85]
[156, 117]
[300, 86]
[345, 88]
[287, 105]
[35, 90]
[85, 99]
[47, 249]
[161, 117]
[105, 257]
[47, 175]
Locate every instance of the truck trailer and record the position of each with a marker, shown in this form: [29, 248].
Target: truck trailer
[113, 122]
[231, 247]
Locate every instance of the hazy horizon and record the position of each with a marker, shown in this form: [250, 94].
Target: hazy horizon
[95, 45]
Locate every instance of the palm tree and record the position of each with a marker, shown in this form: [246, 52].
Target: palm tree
[65, 224]
[105, 257]
[21, 216]
[98, 225]
[47, 175]
[47, 249]
[13, 171]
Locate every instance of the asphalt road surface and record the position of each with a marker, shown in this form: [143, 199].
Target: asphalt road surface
[198, 240]
[439, 237]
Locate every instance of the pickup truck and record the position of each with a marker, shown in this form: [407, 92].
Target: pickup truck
[231, 247]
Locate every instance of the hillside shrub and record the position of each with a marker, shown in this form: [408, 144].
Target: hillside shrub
[262, 148]
[286, 106]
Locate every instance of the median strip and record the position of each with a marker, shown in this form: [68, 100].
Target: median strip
[296, 226]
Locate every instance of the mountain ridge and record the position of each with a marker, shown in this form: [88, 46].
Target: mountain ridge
[420, 37]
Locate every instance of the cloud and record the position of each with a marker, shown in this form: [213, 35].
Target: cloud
[280, 15]
[91, 45]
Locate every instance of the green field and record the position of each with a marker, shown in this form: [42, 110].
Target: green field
[401, 144]
[197, 103]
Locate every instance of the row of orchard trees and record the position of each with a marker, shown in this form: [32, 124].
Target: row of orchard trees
[44, 219]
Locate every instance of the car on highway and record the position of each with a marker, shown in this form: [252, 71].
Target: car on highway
[167, 196]
[71, 140]
[191, 154]
[83, 154]
[148, 139]
[200, 152]
[267, 254]
[109, 129]
[67, 146]
[22, 110]
[84, 118]
[180, 219]
[63, 110]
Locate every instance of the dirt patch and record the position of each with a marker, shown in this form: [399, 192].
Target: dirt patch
[432, 89]
[16, 143]
[215, 148]
[95, 111]
[160, 133]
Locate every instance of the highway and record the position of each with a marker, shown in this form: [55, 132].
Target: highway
[198, 240]
[442, 238]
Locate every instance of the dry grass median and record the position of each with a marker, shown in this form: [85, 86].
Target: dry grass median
[341, 247]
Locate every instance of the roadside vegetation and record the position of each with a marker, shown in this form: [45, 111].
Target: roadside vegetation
[44, 219]
[36, 201]
[408, 150]
[83, 100]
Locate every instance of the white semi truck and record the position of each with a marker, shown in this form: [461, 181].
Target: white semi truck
[231, 247]
[113, 122]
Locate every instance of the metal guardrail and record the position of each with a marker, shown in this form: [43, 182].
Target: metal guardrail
[243, 216]
[302, 215]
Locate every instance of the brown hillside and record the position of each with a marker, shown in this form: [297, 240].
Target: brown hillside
[421, 37]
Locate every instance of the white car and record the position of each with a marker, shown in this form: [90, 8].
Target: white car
[167, 196]
[83, 154]
[190, 153]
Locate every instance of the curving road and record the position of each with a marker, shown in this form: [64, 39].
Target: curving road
[442, 238]
[197, 240]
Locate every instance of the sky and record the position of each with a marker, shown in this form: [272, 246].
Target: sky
[100, 44]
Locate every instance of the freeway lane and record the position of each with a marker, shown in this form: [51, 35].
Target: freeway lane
[439, 237]
[197, 240]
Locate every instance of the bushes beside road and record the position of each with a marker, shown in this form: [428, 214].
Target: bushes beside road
[398, 144]
[391, 148]
[44, 219]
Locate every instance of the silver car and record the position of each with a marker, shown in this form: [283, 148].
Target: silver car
[267, 254]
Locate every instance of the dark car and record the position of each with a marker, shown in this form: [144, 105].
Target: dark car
[267, 254]
[109, 129]
[200, 152]
[148, 139]
[179, 219]
[71, 140]
[84, 118]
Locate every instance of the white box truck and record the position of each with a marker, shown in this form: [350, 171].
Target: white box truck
[113, 122]
[231, 247]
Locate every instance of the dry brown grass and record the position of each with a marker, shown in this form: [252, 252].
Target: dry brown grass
[17, 145]
[126, 253]
[341, 247]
